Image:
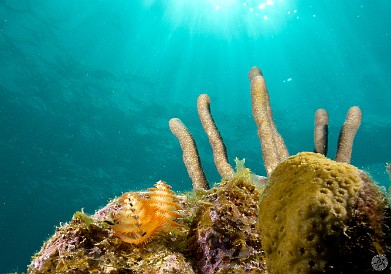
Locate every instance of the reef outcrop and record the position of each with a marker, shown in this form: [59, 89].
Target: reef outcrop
[87, 244]
[217, 233]
[309, 215]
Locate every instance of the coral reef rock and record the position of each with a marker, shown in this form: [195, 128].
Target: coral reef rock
[216, 234]
[88, 245]
[223, 235]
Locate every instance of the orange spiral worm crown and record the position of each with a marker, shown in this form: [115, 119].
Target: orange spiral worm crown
[142, 216]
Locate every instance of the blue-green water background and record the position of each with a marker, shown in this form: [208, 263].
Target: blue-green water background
[87, 89]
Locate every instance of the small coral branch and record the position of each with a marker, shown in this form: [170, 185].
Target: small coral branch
[216, 141]
[321, 131]
[142, 216]
[347, 134]
[191, 157]
[274, 150]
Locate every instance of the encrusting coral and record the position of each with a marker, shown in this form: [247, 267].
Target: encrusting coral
[311, 215]
[318, 215]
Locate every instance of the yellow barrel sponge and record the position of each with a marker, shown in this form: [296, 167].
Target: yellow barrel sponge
[318, 215]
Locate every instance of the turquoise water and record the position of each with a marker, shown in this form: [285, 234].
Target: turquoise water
[87, 89]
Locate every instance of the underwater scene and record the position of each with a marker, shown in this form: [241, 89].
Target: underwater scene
[88, 90]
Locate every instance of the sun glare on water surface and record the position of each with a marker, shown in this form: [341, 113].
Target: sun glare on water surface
[228, 18]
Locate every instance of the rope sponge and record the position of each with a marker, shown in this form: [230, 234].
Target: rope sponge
[347, 134]
[191, 156]
[216, 141]
[274, 150]
[321, 131]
